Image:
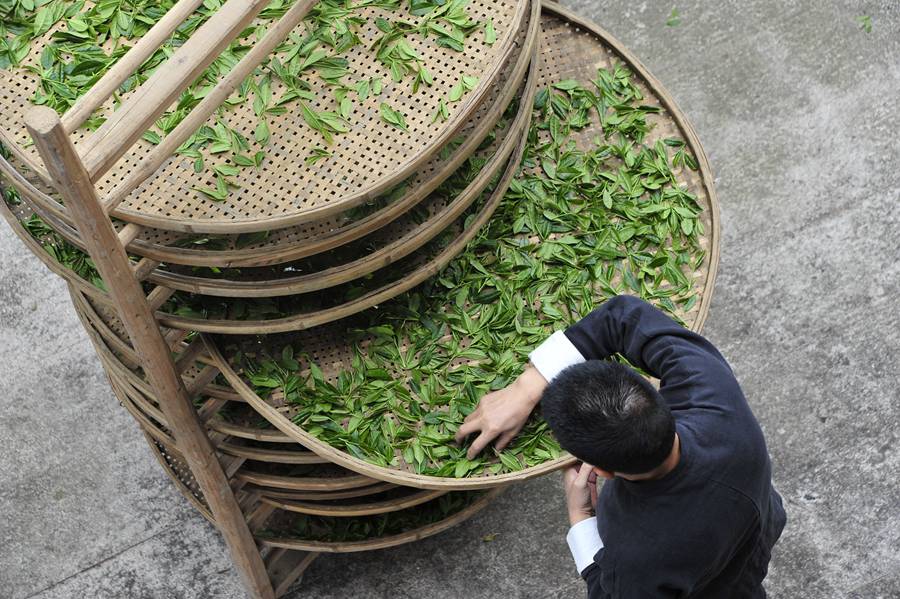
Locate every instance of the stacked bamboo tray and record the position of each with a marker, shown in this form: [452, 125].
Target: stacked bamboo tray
[311, 258]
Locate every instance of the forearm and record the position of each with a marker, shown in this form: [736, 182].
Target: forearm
[622, 325]
[645, 336]
[615, 327]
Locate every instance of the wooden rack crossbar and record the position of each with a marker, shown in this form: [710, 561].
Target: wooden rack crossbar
[133, 59]
[212, 101]
[102, 149]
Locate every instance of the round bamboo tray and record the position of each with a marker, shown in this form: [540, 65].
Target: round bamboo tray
[304, 491]
[572, 49]
[410, 272]
[294, 243]
[287, 541]
[393, 242]
[185, 483]
[364, 163]
[378, 250]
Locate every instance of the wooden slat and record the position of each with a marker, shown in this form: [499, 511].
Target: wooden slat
[158, 296]
[150, 100]
[257, 518]
[285, 567]
[188, 355]
[128, 64]
[175, 336]
[74, 184]
[209, 103]
[129, 233]
[144, 267]
[210, 409]
[199, 383]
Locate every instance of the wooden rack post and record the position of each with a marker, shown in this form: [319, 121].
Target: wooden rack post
[104, 246]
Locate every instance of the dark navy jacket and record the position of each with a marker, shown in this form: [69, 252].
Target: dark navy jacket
[706, 529]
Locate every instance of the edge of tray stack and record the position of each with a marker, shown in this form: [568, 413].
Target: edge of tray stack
[279, 471]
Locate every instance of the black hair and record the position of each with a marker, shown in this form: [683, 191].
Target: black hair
[607, 415]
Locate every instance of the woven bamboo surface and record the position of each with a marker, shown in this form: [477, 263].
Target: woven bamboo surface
[293, 243]
[310, 487]
[184, 481]
[394, 242]
[364, 163]
[570, 50]
[406, 274]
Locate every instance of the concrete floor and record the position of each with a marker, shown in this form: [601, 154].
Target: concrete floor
[798, 109]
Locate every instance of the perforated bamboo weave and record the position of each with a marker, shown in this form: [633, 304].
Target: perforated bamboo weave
[293, 243]
[416, 534]
[412, 271]
[384, 247]
[363, 163]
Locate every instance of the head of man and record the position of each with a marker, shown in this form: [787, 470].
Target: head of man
[607, 415]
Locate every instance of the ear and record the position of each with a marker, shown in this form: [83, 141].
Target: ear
[605, 474]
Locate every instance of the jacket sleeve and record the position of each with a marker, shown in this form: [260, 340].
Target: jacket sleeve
[592, 577]
[692, 371]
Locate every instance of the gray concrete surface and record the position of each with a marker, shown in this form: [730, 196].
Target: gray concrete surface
[798, 109]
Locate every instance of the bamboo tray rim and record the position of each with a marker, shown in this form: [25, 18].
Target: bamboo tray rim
[331, 547]
[450, 129]
[371, 508]
[372, 298]
[384, 255]
[300, 320]
[519, 11]
[56, 216]
[687, 129]
[384, 542]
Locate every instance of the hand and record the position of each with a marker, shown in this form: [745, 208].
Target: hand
[503, 413]
[579, 499]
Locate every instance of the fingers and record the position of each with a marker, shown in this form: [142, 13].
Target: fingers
[504, 439]
[469, 426]
[479, 444]
[583, 473]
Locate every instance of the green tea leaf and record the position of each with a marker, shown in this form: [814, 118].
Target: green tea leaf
[490, 36]
[392, 117]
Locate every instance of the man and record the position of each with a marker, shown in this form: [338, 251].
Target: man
[688, 508]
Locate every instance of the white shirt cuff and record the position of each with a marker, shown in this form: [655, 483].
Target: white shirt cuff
[555, 355]
[584, 543]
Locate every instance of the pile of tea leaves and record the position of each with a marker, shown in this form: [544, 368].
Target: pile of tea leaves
[88, 38]
[582, 223]
[363, 528]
